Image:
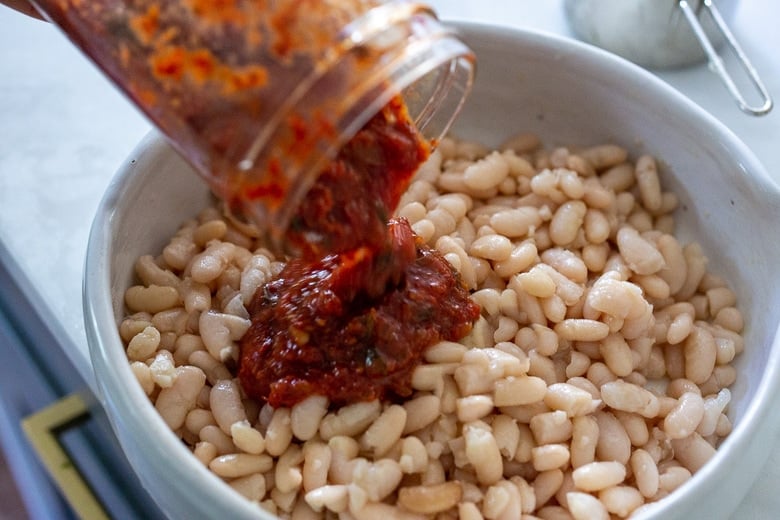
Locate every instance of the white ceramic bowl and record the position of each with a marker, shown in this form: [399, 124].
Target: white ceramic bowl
[565, 91]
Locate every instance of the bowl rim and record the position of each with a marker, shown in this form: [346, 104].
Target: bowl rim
[121, 393]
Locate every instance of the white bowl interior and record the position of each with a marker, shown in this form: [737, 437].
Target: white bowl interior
[568, 93]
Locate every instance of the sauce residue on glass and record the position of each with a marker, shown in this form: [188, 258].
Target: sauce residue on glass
[214, 75]
[351, 318]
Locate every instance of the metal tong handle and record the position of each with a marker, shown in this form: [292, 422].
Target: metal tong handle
[716, 63]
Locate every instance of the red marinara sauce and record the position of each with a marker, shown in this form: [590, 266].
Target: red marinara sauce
[351, 318]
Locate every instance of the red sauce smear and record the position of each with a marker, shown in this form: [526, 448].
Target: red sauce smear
[318, 329]
[351, 318]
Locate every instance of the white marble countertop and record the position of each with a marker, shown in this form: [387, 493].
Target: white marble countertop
[64, 130]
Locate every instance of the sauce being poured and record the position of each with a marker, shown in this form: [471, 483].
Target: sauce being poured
[351, 318]
[255, 95]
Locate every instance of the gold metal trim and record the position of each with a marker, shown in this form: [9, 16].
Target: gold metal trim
[42, 429]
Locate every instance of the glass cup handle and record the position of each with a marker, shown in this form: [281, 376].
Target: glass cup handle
[716, 62]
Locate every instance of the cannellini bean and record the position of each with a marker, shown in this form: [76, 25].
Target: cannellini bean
[700, 354]
[570, 399]
[567, 221]
[550, 456]
[385, 431]
[495, 501]
[486, 173]
[413, 211]
[196, 296]
[181, 248]
[615, 297]
[648, 183]
[252, 487]
[217, 438]
[567, 263]
[255, 273]
[672, 478]
[621, 500]
[349, 420]
[604, 156]
[596, 226]
[174, 402]
[514, 391]
[515, 222]
[287, 473]
[283, 502]
[585, 436]
[214, 370]
[306, 415]
[617, 355]
[536, 282]
[675, 271]
[152, 299]
[713, 410]
[551, 427]
[680, 328]
[380, 511]
[143, 344]
[491, 247]
[645, 473]
[225, 403]
[720, 298]
[209, 264]
[377, 479]
[247, 438]
[613, 442]
[586, 507]
[134, 324]
[630, 398]
[445, 352]
[696, 267]
[333, 497]
[693, 451]
[685, 417]
[430, 499]
[279, 432]
[170, 323]
[522, 256]
[580, 329]
[208, 231]
[317, 457]
[640, 255]
[219, 330]
[635, 427]
[730, 318]
[521, 143]
[546, 484]
[143, 374]
[240, 464]
[473, 407]
[420, 412]
[414, 456]
[483, 454]
[507, 435]
[595, 476]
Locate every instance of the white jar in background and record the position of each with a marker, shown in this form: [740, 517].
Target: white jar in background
[651, 33]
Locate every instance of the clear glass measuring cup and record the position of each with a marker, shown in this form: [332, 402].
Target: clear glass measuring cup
[259, 94]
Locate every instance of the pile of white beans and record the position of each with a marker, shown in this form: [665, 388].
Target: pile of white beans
[594, 383]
